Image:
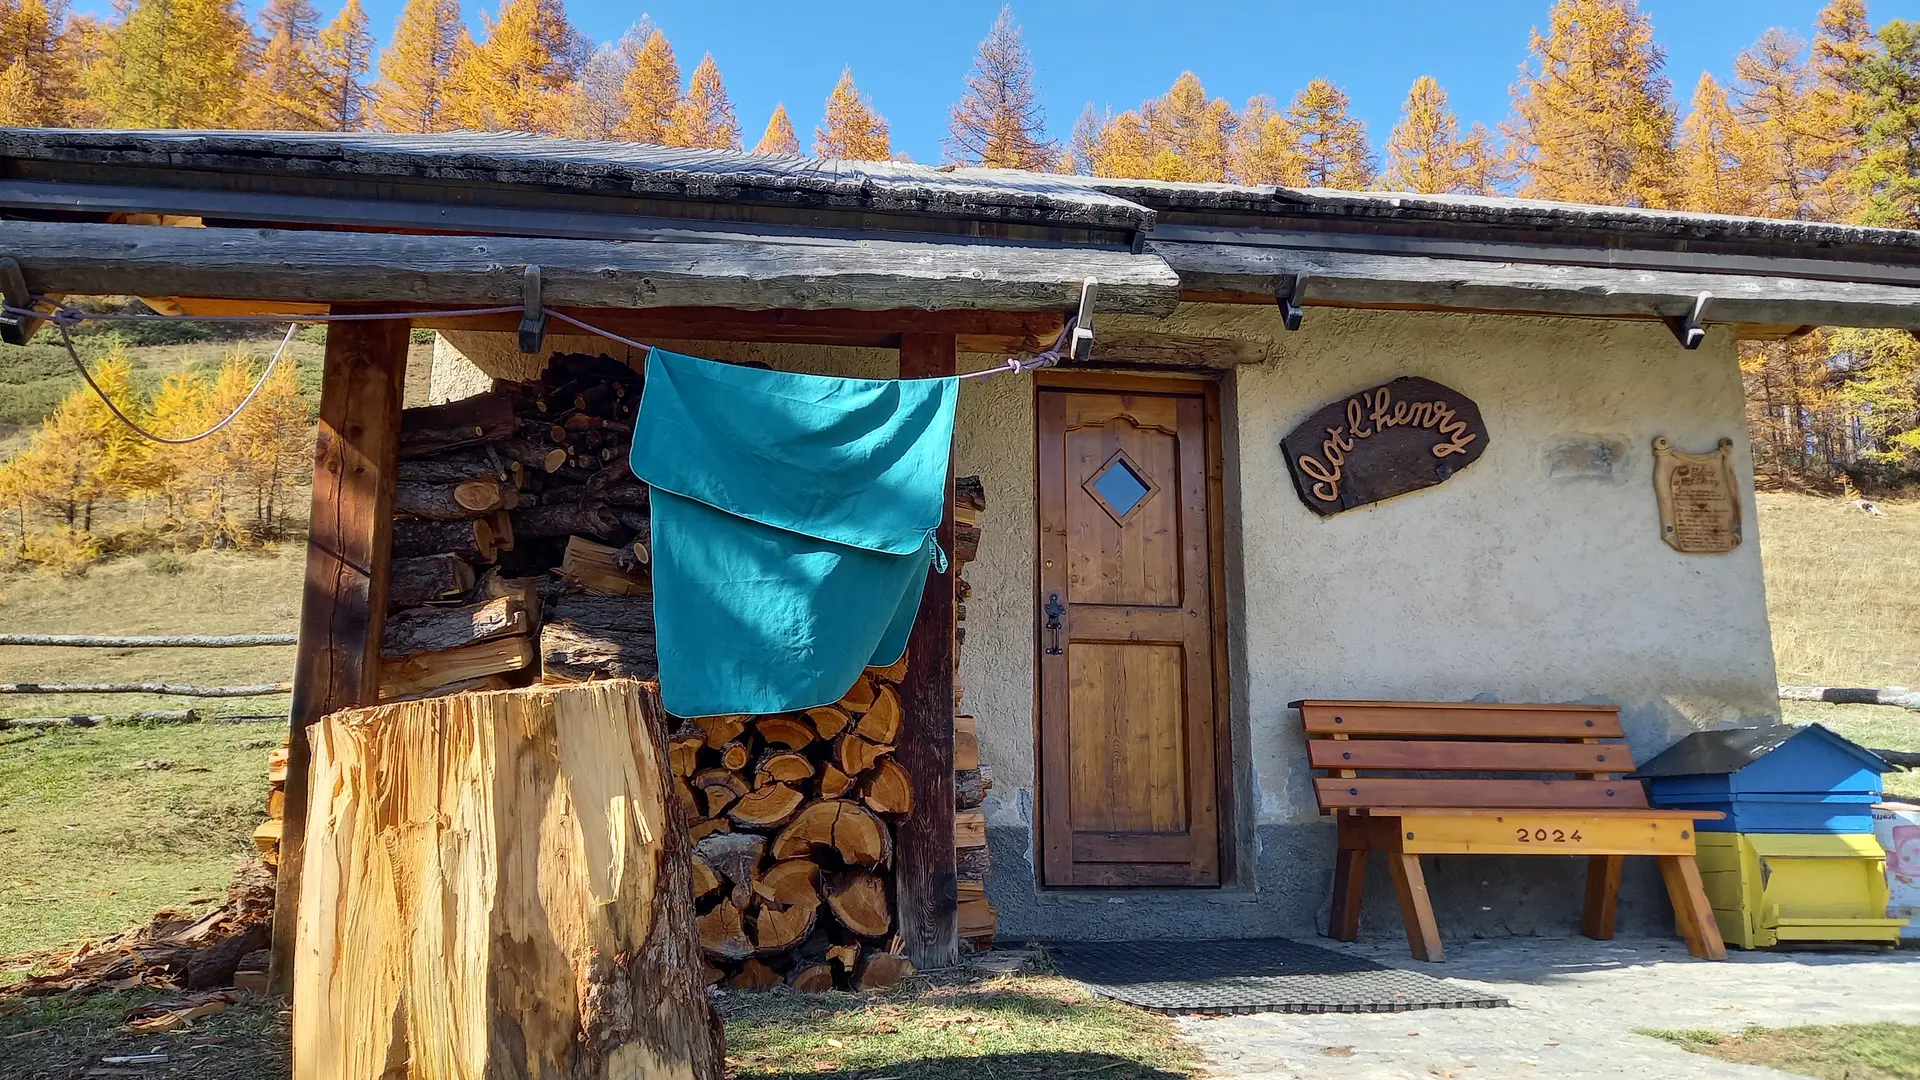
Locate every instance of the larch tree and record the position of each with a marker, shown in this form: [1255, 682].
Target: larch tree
[1592, 121]
[1330, 141]
[284, 90]
[38, 76]
[593, 104]
[1888, 176]
[1264, 149]
[521, 76]
[416, 67]
[999, 122]
[344, 57]
[779, 138]
[1078, 155]
[1720, 167]
[652, 89]
[173, 64]
[851, 129]
[1181, 135]
[1770, 98]
[704, 116]
[1426, 152]
[1836, 105]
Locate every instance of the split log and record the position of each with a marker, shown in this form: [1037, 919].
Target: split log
[599, 569]
[778, 929]
[412, 582]
[846, 959]
[473, 497]
[766, 808]
[723, 932]
[966, 744]
[500, 522]
[714, 976]
[784, 731]
[754, 975]
[966, 542]
[859, 902]
[720, 730]
[881, 724]
[856, 755]
[718, 788]
[887, 789]
[428, 671]
[812, 979]
[566, 519]
[736, 858]
[562, 928]
[978, 919]
[434, 629]
[683, 753]
[472, 541]
[584, 636]
[438, 428]
[829, 720]
[482, 684]
[859, 696]
[970, 787]
[849, 831]
[969, 829]
[895, 672]
[684, 798]
[882, 970]
[706, 880]
[784, 767]
[702, 829]
[972, 864]
[789, 882]
[970, 492]
[833, 782]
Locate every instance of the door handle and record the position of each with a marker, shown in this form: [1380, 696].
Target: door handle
[1055, 609]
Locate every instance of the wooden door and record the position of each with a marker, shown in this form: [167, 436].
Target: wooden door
[1128, 698]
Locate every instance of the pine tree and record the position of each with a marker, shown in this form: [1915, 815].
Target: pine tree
[651, 91]
[173, 64]
[704, 116]
[1181, 135]
[779, 137]
[1888, 176]
[1426, 152]
[851, 130]
[38, 77]
[1592, 121]
[520, 77]
[416, 68]
[1720, 166]
[345, 54]
[999, 122]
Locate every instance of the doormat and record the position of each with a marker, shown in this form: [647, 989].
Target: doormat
[1251, 976]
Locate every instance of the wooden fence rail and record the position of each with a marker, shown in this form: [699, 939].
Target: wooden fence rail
[1896, 696]
[167, 689]
[175, 641]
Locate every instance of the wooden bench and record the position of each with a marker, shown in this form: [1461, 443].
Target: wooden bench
[1396, 778]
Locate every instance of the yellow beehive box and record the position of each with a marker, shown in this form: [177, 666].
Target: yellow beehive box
[1767, 888]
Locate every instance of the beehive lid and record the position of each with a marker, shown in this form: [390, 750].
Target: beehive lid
[1729, 750]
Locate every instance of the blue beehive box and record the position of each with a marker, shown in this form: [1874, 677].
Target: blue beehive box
[1779, 779]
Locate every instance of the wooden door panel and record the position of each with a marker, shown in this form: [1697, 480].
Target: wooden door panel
[1128, 703]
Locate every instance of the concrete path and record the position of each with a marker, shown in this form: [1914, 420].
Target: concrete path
[1576, 1004]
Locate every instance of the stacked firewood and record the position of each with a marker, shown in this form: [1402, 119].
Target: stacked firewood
[266, 837]
[971, 777]
[494, 494]
[792, 820]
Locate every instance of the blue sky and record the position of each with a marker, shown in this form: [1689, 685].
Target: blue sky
[911, 56]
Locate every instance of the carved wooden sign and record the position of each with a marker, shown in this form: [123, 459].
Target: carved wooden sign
[1698, 496]
[1409, 434]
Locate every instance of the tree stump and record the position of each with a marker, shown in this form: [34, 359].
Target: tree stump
[497, 885]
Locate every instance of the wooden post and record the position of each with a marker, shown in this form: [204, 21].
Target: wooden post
[344, 606]
[924, 882]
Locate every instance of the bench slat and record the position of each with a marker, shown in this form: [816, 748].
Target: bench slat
[1470, 756]
[1523, 832]
[1460, 719]
[1337, 792]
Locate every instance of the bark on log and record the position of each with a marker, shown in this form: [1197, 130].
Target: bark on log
[412, 582]
[456, 466]
[1905, 759]
[599, 635]
[812, 978]
[476, 496]
[438, 428]
[600, 570]
[472, 541]
[969, 491]
[972, 864]
[587, 518]
[970, 787]
[882, 970]
[434, 629]
[1897, 696]
[563, 932]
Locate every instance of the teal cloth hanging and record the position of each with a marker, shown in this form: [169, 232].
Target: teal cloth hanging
[793, 527]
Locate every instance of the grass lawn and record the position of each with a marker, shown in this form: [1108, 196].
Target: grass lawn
[1843, 594]
[63, 1037]
[1841, 1052]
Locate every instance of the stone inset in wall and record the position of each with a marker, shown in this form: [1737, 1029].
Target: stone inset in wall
[1606, 458]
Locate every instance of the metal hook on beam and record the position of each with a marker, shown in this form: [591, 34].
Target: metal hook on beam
[1081, 347]
[533, 322]
[1291, 298]
[1691, 328]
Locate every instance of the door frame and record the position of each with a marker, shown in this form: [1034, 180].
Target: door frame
[1207, 388]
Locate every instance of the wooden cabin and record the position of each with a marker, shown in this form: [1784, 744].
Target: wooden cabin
[1333, 445]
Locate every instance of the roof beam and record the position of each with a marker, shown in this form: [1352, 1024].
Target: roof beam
[426, 271]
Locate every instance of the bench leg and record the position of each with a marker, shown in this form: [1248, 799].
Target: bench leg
[1603, 896]
[1690, 907]
[1416, 909]
[1349, 888]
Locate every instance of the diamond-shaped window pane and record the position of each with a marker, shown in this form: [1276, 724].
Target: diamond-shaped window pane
[1121, 487]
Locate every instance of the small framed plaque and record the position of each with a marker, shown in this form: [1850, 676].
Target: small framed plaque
[1699, 497]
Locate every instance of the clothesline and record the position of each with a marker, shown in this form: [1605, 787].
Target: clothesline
[65, 317]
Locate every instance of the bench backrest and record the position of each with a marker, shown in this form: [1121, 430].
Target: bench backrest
[1382, 753]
